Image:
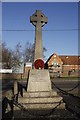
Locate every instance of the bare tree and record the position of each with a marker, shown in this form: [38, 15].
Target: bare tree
[6, 56]
[16, 57]
[11, 59]
[28, 54]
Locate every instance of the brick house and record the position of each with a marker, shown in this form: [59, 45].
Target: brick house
[63, 65]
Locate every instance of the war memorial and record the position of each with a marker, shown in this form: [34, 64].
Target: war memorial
[36, 99]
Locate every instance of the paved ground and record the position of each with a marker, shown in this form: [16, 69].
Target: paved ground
[71, 86]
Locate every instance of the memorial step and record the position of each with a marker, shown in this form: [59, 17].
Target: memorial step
[42, 106]
[40, 100]
[40, 94]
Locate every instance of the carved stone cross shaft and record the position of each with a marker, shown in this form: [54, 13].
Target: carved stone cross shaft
[38, 19]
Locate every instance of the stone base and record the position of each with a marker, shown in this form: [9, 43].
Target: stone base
[40, 100]
[39, 96]
[39, 80]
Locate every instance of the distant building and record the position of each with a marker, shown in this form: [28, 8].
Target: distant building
[63, 65]
[27, 67]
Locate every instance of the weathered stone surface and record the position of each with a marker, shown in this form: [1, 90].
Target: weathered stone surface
[15, 87]
[39, 80]
[40, 106]
[38, 19]
[40, 94]
[55, 99]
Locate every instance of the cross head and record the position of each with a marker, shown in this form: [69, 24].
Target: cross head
[38, 19]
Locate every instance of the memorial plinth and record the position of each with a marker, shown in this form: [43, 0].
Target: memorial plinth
[39, 80]
[39, 92]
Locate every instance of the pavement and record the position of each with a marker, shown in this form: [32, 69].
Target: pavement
[65, 85]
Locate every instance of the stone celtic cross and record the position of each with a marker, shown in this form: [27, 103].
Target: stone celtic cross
[38, 19]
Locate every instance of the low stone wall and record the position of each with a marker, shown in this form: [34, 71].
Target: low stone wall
[26, 75]
[11, 76]
[66, 73]
[71, 74]
[19, 76]
[76, 73]
[14, 76]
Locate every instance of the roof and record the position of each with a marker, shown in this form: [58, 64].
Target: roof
[70, 60]
[67, 59]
